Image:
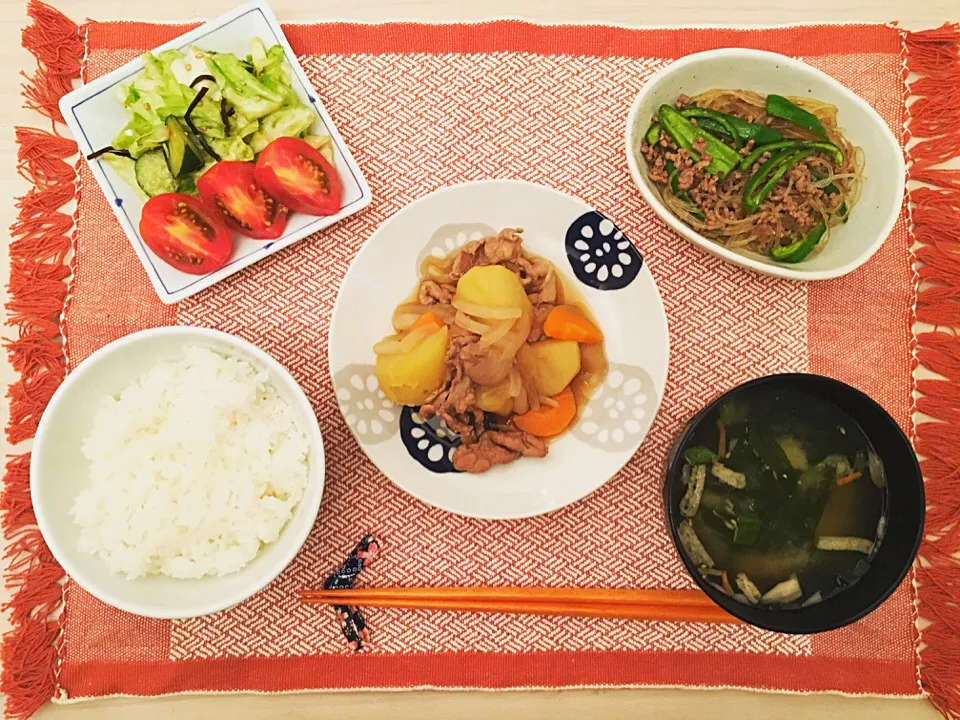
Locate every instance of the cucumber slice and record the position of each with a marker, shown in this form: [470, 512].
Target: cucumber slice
[182, 156]
[153, 174]
[124, 167]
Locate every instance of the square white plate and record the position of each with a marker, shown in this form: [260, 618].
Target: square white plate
[95, 117]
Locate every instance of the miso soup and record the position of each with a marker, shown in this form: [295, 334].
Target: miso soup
[785, 500]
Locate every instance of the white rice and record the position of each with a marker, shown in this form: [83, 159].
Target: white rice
[193, 468]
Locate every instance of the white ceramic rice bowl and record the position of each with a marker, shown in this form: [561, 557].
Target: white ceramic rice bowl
[58, 471]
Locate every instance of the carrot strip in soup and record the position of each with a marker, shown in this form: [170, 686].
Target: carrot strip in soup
[567, 323]
[548, 421]
[848, 478]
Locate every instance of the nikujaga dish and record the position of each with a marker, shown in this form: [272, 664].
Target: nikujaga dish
[498, 346]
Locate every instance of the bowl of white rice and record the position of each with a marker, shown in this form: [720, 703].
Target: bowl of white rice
[177, 471]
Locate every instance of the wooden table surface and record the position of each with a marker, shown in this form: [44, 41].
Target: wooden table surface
[666, 704]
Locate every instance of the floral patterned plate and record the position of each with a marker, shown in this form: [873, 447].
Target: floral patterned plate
[618, 288]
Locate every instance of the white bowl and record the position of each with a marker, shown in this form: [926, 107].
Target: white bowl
[58, 471]
[622, 296]
[873, 217]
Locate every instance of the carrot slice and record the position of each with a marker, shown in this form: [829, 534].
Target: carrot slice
[548, 421]
[725, 580]
[568, 323]
[848, 478]
[428, 319]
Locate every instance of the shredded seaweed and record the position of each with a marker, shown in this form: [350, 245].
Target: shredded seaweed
[193, 128]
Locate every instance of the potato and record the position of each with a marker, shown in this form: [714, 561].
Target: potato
[552, 363]
[493, 286]
[410, 378]
[495, 399]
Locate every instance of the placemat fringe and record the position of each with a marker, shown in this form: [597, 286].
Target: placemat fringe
[933, 56]
[39, 246]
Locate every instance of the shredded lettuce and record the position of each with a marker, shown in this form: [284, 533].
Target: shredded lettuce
[287, 122]
[232, 148]
[241, 88]
[206, 116]
[254, 94]
[137, 143]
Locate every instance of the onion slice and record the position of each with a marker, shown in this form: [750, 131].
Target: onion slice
[471, 325]
[388, 346]
[407, 314]
[487, 312]
[395, 346]
[496, 333]
[516, 384]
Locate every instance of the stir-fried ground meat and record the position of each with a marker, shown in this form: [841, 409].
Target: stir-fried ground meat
[694, 172]
[657, 167]
[714, 206]
[788, 211]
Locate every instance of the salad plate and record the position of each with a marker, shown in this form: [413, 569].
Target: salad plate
[96, 115]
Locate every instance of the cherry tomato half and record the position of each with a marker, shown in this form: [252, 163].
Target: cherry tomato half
[229, 187]
[299, 177]
[184, 233]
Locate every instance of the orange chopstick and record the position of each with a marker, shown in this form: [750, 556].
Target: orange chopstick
[667, 605]
[521, 594]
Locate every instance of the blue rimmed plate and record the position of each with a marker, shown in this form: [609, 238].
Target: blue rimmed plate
[589, 250]
[95, 117]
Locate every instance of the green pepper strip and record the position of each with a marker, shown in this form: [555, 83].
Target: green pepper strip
[760, 134]
[748, 530]
[828, 148]
[780, 107]
[718, 118]
[685, 134]
[700, 455]
[713, 127]
[800, 248]
[769, 174]
[652, 135]
[681, 194]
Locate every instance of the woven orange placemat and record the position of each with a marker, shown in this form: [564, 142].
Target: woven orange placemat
[425, 106]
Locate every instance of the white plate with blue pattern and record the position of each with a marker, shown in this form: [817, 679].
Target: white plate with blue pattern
[590, 251]
[95, 117]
